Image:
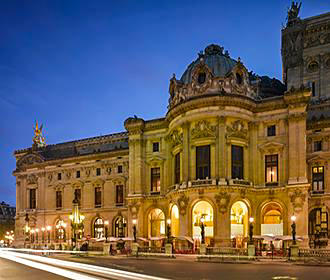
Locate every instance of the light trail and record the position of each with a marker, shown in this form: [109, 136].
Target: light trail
[98, 270]
[48, 268]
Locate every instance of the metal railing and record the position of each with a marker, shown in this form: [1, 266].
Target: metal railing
[315, 253]
[226, 251]
[158, 250]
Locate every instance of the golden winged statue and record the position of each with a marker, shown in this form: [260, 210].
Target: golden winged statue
[38, 139]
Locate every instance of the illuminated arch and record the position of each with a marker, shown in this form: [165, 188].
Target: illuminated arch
[272, 219]
[175, 224]
[156, 223]
[202, 209]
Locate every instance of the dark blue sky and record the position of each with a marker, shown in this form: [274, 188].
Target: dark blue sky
[83, 67]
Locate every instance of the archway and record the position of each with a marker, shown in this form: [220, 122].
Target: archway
[175, 221]
[120, 226]
[202, 209]
[156, 223]
[60, 232]
[318, 227]
[99, 228]
[272, 219]
[239, 217]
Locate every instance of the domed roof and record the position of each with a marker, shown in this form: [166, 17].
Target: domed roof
[219, 63]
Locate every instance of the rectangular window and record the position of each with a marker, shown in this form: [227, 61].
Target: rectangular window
[177, 168]
[77, 194]
[203, 162]
[98, 195]
[318, 179]
[317, 146]
[78, 174]
[59, 176]
[120, 194]
[120, 169]
[155, 180]
[236, 162]
[271, 168]
[271, 130]
[155, 147]
[98, 171]
[33, 199]
[58, 199]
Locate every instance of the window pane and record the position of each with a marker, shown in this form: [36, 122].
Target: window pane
[237, 162]
[203, 163]
[177, 168]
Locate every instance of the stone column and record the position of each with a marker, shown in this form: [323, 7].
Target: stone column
[222, 157]
[186, 153]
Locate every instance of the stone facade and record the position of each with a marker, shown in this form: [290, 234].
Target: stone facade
[232, 145]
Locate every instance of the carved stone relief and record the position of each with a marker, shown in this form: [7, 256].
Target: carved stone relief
[203, 129]
[182, 204]
[237, 129]
[297, 198]
[222, 199]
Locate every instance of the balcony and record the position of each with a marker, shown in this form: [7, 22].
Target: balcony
[202, 182]
[239, 182]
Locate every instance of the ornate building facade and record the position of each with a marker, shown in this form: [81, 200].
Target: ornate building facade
[233, 145]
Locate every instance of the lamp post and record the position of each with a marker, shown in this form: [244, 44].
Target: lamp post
[251, 220]
[106, 224]
[32, 235]
[134, 229]
[169, 231]
[37, 231]
[76, 220]
[26, 229]
[49, 228]
[202, 230]
[64, 231]
[293, 229]
[43, 234]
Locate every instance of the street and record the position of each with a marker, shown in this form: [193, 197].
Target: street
[15, 265]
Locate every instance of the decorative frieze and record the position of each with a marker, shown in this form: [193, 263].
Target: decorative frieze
[175, 138]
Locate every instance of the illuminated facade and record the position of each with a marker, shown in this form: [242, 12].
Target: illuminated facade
[232, 146]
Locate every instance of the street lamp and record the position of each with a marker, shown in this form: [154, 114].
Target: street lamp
[293, 229]
[49, 228]
[43, 234]
[168, 230]
[134, 229]
[251, 220]
[32, 235]
[64, 231]
[76, 220]
[26, 229]
[202, 230]
[37, 231]
[106, 224]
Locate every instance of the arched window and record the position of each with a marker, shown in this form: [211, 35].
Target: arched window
[318, 227]
[239, 78]
[99, 228]
[156, 225]
[202, 209]
[239, 216]
[60, 234]
[175, 221]
[272, 219]
[120, 227]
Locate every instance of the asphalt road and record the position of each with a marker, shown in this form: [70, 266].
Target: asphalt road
[10, 270]
[183, 269]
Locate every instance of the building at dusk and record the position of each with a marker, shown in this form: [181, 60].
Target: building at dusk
[7, 219]
[233, 145]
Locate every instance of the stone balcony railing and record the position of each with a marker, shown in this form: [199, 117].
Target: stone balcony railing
[239, 182]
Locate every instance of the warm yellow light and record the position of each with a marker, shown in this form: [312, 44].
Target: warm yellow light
[293, 218]
[42, 229]
[168, 221]
[202, 220]
[134, 221]
[106, 223]
[64, 225]
[71, 217]
[32, 230]
[49, 228]
[37, 230]
[82, 217]
[251, 219]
